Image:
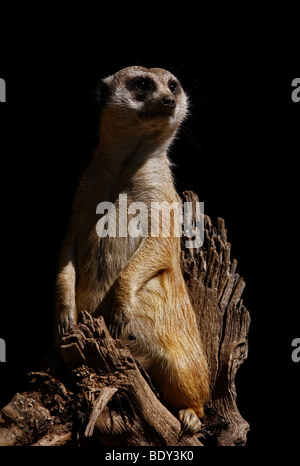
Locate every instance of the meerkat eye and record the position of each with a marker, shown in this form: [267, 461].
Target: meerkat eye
[143, 84]
[173, 86]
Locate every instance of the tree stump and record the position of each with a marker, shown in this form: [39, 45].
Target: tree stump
[91, 390]
[215, 290]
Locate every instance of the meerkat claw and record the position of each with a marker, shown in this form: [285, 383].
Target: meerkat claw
[116, 327]
[65, 325]
[190, 423]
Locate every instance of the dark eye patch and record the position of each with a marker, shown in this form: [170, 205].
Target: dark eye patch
[141, 84]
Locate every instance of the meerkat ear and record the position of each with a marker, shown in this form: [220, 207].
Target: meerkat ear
[108, 80]
[103, 91]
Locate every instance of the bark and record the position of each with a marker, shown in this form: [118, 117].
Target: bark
[215, 290]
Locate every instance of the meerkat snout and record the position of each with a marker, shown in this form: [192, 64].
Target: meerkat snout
[169, 101]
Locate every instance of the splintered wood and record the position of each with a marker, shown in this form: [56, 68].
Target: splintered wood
[215, 291]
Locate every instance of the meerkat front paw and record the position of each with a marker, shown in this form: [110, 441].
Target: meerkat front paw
[65, 323]
[190, 423]
[117, 325]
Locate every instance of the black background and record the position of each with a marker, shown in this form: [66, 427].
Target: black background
[238, 151]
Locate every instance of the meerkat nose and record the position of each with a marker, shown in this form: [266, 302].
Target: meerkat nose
[169, 101]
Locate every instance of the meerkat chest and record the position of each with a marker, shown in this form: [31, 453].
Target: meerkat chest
[108, 235]
[115, 212]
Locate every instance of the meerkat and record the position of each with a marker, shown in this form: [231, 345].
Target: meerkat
[135, 282]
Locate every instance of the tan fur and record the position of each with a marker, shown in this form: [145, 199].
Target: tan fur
[135, 283]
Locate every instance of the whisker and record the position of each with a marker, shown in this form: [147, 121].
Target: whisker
[192, 137]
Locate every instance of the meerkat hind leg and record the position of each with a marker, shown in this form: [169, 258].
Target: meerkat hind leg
[189, 421]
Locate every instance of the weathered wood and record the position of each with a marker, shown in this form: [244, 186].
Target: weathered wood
[215, 290]
[22, 420]
[92, 391]
[127, 411]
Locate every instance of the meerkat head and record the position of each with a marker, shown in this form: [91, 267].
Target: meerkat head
[146, 98]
